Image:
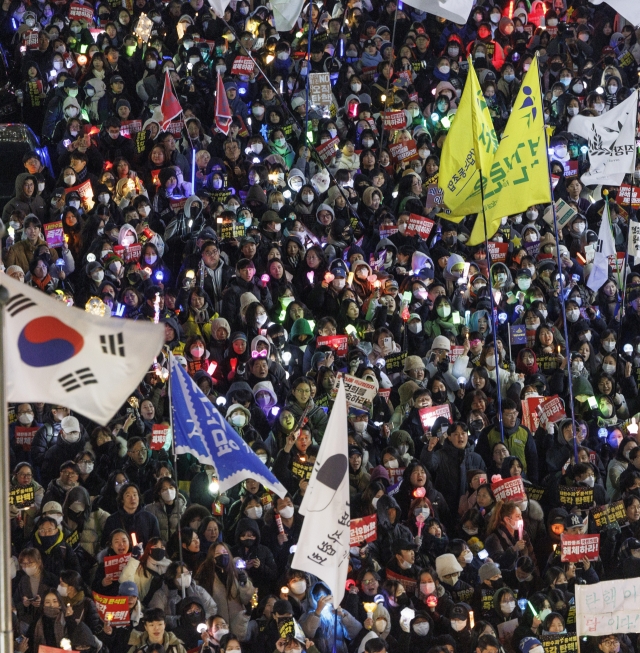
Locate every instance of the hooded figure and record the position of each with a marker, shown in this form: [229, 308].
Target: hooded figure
[29, 204]
[249, 549]
[79, 515]
[390, 528]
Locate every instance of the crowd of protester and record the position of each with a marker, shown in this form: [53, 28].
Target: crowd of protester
[249, 249]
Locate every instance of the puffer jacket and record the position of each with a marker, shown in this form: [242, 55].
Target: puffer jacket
[168, 522]
[93, 521]
[168, 598]
[34, 204]
[139, 642]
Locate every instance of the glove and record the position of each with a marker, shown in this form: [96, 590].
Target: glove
[512, 367]
[242, 577]
[137, 551]
[417, 540]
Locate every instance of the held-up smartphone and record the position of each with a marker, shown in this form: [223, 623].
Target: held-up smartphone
[483, 555]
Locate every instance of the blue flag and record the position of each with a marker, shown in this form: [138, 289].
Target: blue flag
[199, 429]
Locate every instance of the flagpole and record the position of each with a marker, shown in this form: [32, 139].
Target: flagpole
[393, 58]
[175, 458]
[561, 282]
[308, 84]
[6, 618]
[494, 321]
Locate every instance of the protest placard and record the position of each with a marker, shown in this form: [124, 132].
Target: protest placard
[409, 584]
[419, 225]
[112, 609]
[497, 251]
[565, 213]
[530, 417]
[570, 169]
[403, 151]
[624, 195]
[328, 149]
[359, 393]
[580, 497]
[301, 468]
[337, 343]
[128, 253]
[385, 393]
[518, 334]
[363, 530]
[505, 633]
[560, 643]
[390, 229]
[430, 414]
[52, 649]
[394, 120]
[611, 606]
[534, 492]
[79, 11]
[320, 89]
[113, 566]
[130, 127]
[22, 497]
[84, 190]
[455, 352]
[24, 436]
[230, 229]
[509, 489]
[551, 410]
[576, 547]
[435, 197]
[242, 66]
[613, 513]
[159, 433]
[394, 363]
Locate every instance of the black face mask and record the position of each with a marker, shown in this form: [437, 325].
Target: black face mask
[443, 366]
[76, 516]
[440, 396]
[497, 584]
[193, 618]
[248, 541]
[561, 586]
[157, 554]
[476, 425]
[222, 560]
[278, 341]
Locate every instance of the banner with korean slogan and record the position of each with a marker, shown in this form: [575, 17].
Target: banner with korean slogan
[358, 393]
[112, 609]
[509, 489]
[363, 530]
[560, 643]
[430, 414]
[468, 148]
[612, 606]
[519, 174]
[576, 547]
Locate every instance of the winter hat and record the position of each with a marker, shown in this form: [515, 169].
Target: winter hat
[220, 323]
[529, 643]
[441, 342]
[246, 299]
[413, 363]
[166, 174]
[447, 564]
[489, 570]
[51, 506]
[406, 391]
[380, 473]
[235, 407]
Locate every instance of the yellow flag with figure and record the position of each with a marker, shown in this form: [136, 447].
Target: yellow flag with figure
[519, 175]
[469, 147]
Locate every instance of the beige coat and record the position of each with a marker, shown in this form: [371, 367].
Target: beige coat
[231, 606]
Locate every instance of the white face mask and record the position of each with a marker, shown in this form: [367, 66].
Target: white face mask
[367, 142]
[421, 629]
[415, 327]
[307, 198]
[468, 557]
[427, 588]
[508, 607]
[25, 418]
[183, 581]
[360, 427]
[573, 315]
[68, 437]
[263, 458]
[608, 346]
[255, 512]
[86, 467]
[458, 625]
[299, 586]
[238, 420]
[381, 624]
[261, 318]
[608, 369]
[220, 633]
[169, 494]
[62, 590]
[287, 512]
[70, 179]
[589, 481]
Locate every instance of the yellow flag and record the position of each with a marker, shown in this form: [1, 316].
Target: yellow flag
[469, 147]
[519, 175]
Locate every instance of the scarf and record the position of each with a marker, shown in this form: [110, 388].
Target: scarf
[54, 545]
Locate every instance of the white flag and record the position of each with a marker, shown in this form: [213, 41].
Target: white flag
[628, 9]
[286, 13]
[323, 545]
[64, 355]
[611, 138]
[219, 6]
[605, 248]
[456, 10]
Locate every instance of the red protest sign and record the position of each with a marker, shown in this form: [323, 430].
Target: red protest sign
[79, 11]
[112, 609]
[430, 414]
[129, 253]
[385, 393]
[24, 436]
[419, 225]
[159, 434]
[363, 530]
[404, 151]
[530, 417]
[570, 169]
[242, 66]
[388, 230]
[509, 489]
[338, 343]
[31, 39]
[624, 193]
[617, 261]
[576, 547]
[498, 252]
[455, 353]
[175, 127]
[177, 204]
[552, 409]
[52, 649]
[394, 120]
[328, 149]
[113, 566]
[395, 475]
[130, 127]
[54, 234]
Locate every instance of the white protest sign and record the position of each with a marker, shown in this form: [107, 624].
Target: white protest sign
[612, 606]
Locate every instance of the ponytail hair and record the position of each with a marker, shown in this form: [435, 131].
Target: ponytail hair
[501, 510]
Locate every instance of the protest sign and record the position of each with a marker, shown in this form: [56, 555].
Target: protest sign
[535, 493]
[560, 643]
[320, 89]
[79, 11]
[530, 417]
[419, 225]
[624, 195]
[301, 469]
[634, 238]
[435, 197]
[611, 606]
[580, 497]
[175, 127]
[404, 151]
[54, 234]
[337, 343]
[509, 489]
[570, 169]
[242, 66]
[430, 414]
[52, 649]
[159, 433]
[390, 229]
[230, 229]
[363, 530]
[112, 609]
[22, 497]
[576, 547]
[565, 213]
[130, 127]
[289, 629]
[395, 474]
[394, 363]
[455, 352]
[24, 436]
[497, 252]
[30, 39]
[505, 633]
[613, 513]
[84, 190]
[409, 584]
[113, 566]
[551, 410]
[518, 334]
[394, 120]
[385, 393]
[328, 149]
[128, 253]
[359, 393]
